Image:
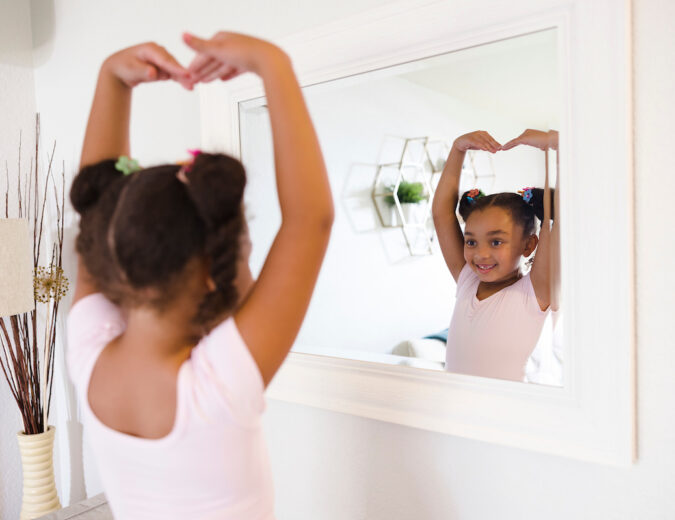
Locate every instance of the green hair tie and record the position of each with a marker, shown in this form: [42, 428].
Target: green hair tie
[127, 165]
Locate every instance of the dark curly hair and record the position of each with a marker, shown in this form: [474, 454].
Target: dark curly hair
[521, 212]
[138, 232]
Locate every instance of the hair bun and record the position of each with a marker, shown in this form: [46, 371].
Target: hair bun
[216, 174]
[536, 200]
[467, 200]
[91, 182]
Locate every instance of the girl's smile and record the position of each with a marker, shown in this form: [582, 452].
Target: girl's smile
[485, 268]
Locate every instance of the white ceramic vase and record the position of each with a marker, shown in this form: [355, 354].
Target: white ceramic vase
[39, 489]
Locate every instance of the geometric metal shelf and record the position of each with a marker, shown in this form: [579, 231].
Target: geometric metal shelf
[415, 165]
[470, 176]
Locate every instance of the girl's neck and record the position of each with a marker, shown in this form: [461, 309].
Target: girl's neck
[156, 335]
[487, 289]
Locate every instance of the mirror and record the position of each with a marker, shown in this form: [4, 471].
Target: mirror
[385, 293]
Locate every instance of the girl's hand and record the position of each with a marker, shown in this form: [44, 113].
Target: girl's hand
[536, 138]
[227, 55]
[144, 63]
[478, 140]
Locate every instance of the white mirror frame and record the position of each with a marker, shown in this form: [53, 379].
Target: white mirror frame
[593, 416]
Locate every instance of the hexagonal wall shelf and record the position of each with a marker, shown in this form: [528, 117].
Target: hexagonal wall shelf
[402, 193]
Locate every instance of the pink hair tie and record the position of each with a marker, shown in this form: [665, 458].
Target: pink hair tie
[186, 166]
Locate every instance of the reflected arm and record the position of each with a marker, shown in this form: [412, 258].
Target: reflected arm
[555, 240]
[448, 230]
[545, 273]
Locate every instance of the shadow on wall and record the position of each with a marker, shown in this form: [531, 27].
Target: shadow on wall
[73, 430]
[42, 26]
[17, 47]
[15, 44]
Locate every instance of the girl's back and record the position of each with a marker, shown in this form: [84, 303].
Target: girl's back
[213, 462]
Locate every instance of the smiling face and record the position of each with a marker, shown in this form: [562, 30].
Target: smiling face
[494, 244]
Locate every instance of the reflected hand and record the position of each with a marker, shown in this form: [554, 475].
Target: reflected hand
[227, 55]
[478, 140]
[145, 63]
[536, 138]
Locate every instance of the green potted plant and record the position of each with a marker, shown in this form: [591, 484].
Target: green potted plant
[410, 195]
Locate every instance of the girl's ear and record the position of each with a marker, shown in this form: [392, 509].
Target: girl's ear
[530, 245]
[206, 274]
[210, 284]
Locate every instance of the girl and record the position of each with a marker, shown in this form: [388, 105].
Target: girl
[500, 312]
[170, 344]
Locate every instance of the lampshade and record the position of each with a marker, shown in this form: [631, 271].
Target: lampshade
[16, 267]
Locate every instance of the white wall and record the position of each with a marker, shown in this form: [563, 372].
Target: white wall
[17, 113]
[76, 35]
[333, 466]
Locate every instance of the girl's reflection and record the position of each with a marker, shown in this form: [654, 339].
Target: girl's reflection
[500, 309]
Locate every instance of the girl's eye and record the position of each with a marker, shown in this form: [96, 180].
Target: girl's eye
[470, 243]
[496, 243]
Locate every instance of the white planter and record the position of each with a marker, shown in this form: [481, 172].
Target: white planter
[411, 212]
[39, 489]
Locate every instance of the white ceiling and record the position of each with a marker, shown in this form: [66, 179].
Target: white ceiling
[517, 77]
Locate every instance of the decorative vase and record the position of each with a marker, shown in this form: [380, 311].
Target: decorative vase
[39, 489]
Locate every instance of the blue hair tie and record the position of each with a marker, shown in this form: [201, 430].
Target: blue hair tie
[527, 194]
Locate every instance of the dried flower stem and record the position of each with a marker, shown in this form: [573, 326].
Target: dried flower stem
[28, 369]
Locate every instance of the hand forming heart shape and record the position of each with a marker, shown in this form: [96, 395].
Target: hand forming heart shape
[224, 56]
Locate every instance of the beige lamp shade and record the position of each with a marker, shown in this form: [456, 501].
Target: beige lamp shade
[16, 267]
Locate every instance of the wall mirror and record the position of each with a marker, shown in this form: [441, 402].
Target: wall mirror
[384, 264]
[386, 107]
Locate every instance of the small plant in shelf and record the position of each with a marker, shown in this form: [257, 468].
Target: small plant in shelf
[407, 193]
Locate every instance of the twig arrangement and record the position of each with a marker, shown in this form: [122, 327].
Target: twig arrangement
[27, 353]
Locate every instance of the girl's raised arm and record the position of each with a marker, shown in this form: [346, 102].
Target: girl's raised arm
[545, 272]
[107, 134]
[270, 317]
[446, 198]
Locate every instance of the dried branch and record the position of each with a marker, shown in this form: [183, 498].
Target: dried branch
[28, 368]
